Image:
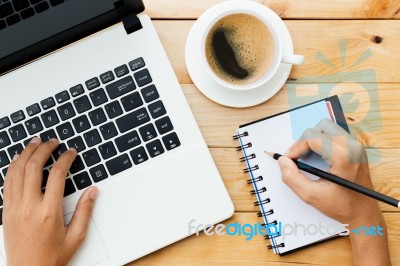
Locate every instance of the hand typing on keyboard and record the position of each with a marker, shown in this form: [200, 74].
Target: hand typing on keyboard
[34, 231]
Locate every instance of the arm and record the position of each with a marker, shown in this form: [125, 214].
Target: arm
[34, 231]
[347, 158]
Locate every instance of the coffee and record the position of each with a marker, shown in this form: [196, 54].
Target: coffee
[240, 49]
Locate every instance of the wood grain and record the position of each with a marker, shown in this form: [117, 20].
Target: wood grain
[364, 60]
[376, 124]
[235, 250]
[289, 9]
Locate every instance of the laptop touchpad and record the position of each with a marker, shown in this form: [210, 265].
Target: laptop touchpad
[92, 250]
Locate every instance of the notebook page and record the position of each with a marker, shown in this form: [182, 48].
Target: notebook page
[277, 135]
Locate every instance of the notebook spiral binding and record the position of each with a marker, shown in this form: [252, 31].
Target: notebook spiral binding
[253, 181]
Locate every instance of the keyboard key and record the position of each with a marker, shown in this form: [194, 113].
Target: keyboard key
[92, 138]
[43, 6]
[91, 157]
[132, 120]
[4, 140]
[62, 96]
[16, 149]
[20, 4]
[56, 2]
[69, 187]
[82, 104]
[33, 126]
[127, 141]
[45, 178]
[119, 164]
[150, 93]
[48, 135]
[17, 133]
[98, 173]
[113, 109]
[171, 141]
[77, 143]
[33, 2]
[97, 116]
[47, 103]
[14, 19]
[157, 109]
[4, 171]
[148, 132]
[120, 87]
[60, 150]
[107, 150]
[81, 123]
[27, 141]
[3, 24]
[98, 97]
[66, 111]
[92, 83]
[76, 90]
[82, 180]
[154, 148]
[50, 118]
[1, 182]
[131, 101]
[4, 122]
[108, 130]
[6, 10]
[121, 71]
[65, 131]
[33, 109]
[49, 162]
[107, 77]
[136, 64]
[139, 155]
[3, 159]
[77, 165]
[143, 77]
[27, 13]
[164, 125]
[17, 116]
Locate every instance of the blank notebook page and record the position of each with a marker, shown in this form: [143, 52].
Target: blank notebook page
[277, 134]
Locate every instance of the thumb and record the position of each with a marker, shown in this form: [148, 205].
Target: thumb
[305, 188]
[79, 224]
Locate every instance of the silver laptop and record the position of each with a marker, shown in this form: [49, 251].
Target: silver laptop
[114, 97]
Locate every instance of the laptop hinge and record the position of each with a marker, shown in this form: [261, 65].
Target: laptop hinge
[132, 23]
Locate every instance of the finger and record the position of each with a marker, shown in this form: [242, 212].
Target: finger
[16, 170]
[56, 181]
[305, 188]
[34, 168]
[312, 140]
[7, 191]
[79, 224]
[328, 127]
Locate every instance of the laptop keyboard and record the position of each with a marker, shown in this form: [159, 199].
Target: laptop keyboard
[14, 11]
[114, 121]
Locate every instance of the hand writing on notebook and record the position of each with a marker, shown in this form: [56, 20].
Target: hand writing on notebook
[347, 158]
[34, 231]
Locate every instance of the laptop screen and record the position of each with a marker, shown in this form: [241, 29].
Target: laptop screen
[26, 23]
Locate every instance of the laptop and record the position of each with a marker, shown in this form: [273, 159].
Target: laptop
[94, 74]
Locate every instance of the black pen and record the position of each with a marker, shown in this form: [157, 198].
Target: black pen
[341, 181]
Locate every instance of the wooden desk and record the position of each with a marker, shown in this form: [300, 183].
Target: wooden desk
[318, 28]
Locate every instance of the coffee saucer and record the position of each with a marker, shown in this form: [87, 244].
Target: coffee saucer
[217, 92]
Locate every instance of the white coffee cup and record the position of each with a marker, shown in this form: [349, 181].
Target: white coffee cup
[270, 19]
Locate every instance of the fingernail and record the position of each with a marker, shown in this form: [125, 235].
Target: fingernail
[72, 149]
[35, 140]
[54, 140]
[15, 156]
[93, 194]
[283, 161]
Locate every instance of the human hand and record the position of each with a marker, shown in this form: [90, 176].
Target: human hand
[34, 231]
[347, 158]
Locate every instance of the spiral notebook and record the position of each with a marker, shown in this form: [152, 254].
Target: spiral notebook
[299, 224]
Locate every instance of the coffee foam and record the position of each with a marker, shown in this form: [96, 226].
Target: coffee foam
[252, 42]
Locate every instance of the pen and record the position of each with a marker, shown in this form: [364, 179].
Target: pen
[341, 181]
